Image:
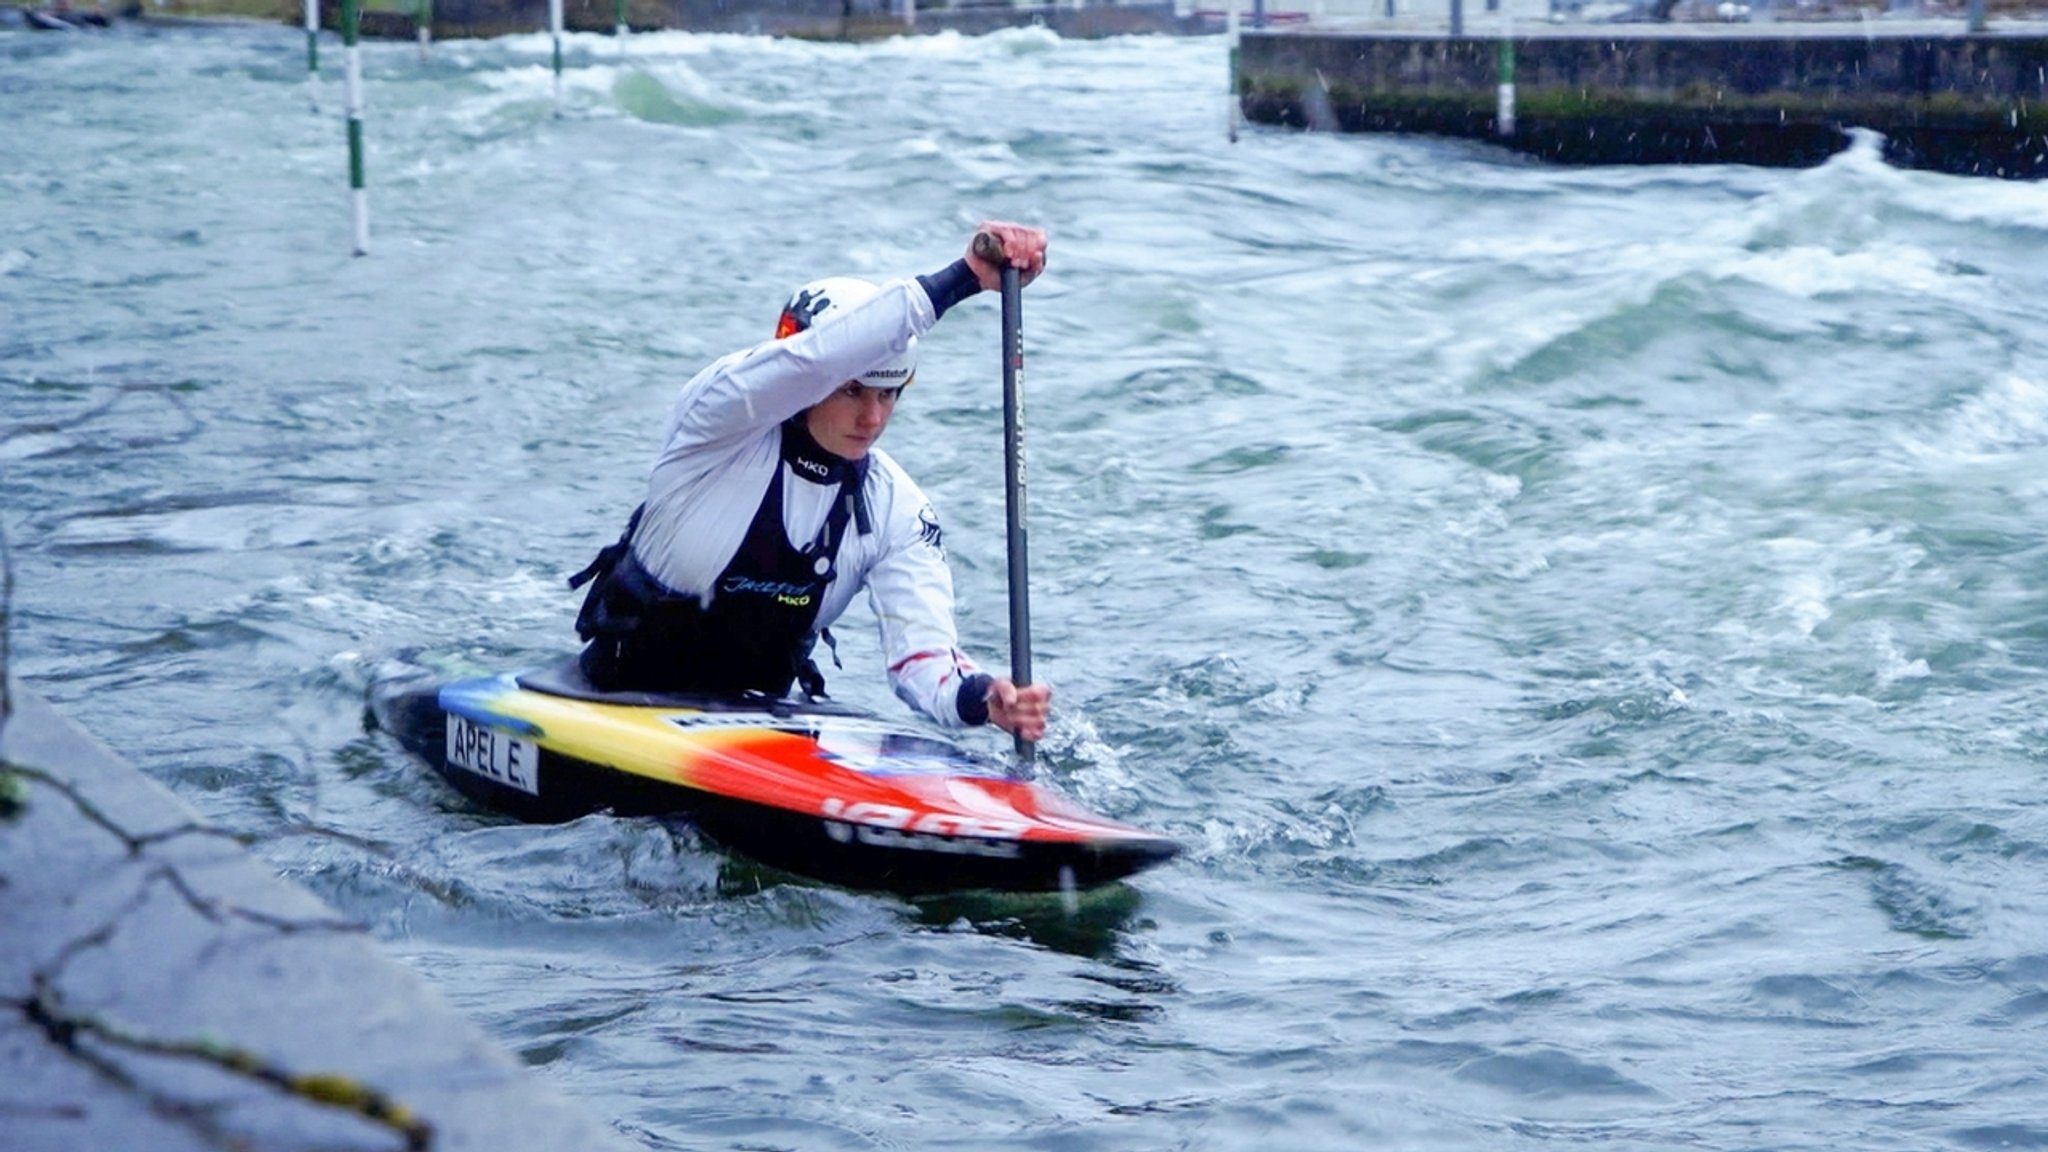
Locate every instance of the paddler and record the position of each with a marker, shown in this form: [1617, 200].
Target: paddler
[770, 506]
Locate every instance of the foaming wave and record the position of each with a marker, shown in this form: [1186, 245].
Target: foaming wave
[643, 87]
[1829, 230]
[1810, 271]
[1856, 197]
[520, 94]
[2006, 419]
[1836, 204]
[1584, 293]
[646, 96]
[2001, 203]
[1800, 585]
[950, 44]
[1803, 597]
[644, 46]
[1322, 836]
[1823, 236]
[1865, 154]
[1894, 666]
[1090, 766]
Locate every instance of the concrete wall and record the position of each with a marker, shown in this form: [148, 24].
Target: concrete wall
[1954, 103]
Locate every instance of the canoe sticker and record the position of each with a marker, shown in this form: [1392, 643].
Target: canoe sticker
[495, 755]
[873, 748]
[891, 826]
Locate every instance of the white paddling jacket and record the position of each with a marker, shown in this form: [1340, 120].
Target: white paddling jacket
[722, 447]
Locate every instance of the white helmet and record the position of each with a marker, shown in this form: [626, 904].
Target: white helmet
[821, 298]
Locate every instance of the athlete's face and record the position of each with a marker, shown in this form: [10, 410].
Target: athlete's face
[848, 422]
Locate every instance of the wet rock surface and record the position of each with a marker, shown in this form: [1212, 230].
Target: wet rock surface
[161, 989]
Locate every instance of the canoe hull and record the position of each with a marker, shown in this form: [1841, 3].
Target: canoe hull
[810, 788]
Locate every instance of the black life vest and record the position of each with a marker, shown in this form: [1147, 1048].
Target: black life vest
[754, 632]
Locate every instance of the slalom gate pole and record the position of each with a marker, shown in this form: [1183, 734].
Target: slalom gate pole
[1230, 36]
[352, 55]
[555, 26]
[619, 28]
[423, 25]
[313, 53]
[1504, 115]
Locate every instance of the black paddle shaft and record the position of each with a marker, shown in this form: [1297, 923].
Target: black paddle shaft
[988, 248]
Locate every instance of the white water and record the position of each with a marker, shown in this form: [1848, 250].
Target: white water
[1586, 625]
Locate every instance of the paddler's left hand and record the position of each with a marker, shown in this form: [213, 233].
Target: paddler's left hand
[1020, 711]
[1022, 248]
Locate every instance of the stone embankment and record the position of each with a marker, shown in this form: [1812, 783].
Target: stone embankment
[160, 989]
[1771, 94]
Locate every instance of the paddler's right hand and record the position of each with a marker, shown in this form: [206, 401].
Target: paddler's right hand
[1022, 248]
[1020, 711]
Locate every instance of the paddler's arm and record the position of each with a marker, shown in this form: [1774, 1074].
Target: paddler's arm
[930, 673]
[776, 379]
[910, 589]
[1023, 247]
[764, 385]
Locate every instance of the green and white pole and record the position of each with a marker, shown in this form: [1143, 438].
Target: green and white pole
[555, 26]
[423, 25]
[352, 54]
[1504, 120]
[1230, 37]
[619, 28]
[313, 52]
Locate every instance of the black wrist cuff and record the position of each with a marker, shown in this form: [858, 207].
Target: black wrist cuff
[950, 285]
[973, 699]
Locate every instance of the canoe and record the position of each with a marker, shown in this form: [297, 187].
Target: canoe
[806, 786]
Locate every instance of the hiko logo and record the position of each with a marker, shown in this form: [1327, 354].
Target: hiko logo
[888, 826]
[816, 468]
